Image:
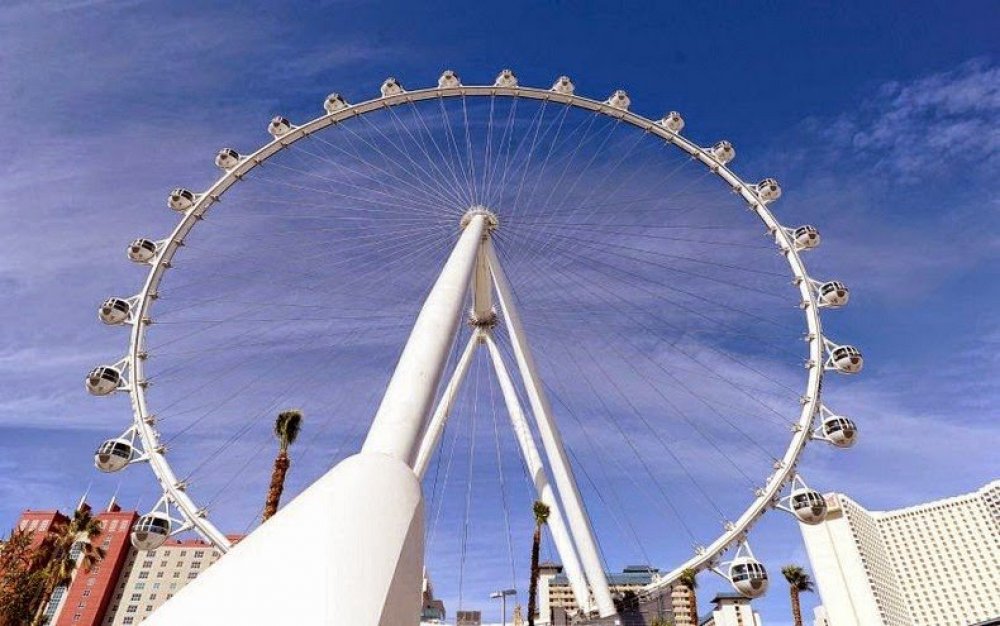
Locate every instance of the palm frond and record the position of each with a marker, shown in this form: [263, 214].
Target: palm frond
[541, 511]
[287, 427]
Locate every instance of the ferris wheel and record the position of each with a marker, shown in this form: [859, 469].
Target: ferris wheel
[644, 307]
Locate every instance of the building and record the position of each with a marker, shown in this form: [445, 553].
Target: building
[432, 609]
[468, 618]
[555, 594]
[932, 564]
[85, 599]
[819, 617]
[88, 596]
[731, 609]
[127, 585]
[152, 577]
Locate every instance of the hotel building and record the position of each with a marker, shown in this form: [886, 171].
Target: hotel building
[934, 564]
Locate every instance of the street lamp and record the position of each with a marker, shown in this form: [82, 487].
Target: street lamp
[502, 596]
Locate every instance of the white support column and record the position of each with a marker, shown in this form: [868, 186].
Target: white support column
[399, 422]
[557, 525]
[432, 435]
[569, 493]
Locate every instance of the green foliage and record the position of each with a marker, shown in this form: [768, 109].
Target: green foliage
[287, 427]
[541, 511]
[21, 583]
[797, 578]
[689, 578]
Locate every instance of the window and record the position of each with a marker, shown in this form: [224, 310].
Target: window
[199, 554]
[177, 574]
[127, 620]
[140, 586]
[147, 564]
[135, 597]
[145, 575]
[132, 608]
[191, 575]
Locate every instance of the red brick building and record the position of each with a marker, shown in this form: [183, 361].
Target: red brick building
[86, 600]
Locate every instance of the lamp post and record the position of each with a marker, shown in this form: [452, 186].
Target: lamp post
[502, 596]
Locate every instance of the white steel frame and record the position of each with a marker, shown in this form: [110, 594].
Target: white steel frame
[417, 409]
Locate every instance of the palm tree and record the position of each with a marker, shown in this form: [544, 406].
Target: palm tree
[286, 429]
[62, 552]
[688, 582]
[798, 581]
[541, 511]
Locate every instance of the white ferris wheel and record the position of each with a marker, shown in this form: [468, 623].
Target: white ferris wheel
[633, 318]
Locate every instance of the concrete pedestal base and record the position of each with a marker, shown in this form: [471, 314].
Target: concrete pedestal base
[348, 550]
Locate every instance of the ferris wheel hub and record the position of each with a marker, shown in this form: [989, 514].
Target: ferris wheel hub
[492, 221]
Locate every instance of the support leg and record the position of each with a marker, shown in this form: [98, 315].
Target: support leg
[399, 422]
[557, 525]
[569, 493]
[432, 435]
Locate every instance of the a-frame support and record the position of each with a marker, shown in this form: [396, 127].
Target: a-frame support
[574, 541]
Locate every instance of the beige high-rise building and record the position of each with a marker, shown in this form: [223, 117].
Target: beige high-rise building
[554, 591]
[151, 577]
[934, 564]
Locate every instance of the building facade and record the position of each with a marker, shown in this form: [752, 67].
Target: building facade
[555, 594]
[934, 564]
[731, 609]
[87, 598]
[152, 577]
[127, 585]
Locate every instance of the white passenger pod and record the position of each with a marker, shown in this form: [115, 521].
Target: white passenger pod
[449, 80]
[391, 87]
[563, 85]
[723, 152]
[334, 102]
[619, 100]
[181, 199]
[506, 78]
[672, 121]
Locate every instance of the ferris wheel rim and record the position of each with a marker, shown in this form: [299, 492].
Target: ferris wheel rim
[706, 557]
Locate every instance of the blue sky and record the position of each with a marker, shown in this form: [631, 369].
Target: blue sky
[880, 121]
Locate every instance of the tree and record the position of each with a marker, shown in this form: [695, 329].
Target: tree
[20, 581]
[688, 582]
[286, 429]
[62, 552]
[541, 511]
[798, 581]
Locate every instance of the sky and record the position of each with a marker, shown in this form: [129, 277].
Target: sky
[881, 122]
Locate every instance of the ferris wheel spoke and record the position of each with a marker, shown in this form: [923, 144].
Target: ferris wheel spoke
[419, 241]
[388, 177]
[433, 247]
[272, 405]
[452, 193]
[448, 162]
[495, 188]
[453, 149]
[418, 181]
[708, 371]
[427, 199]
[335, 194]
[589, 288]
[640, 353]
